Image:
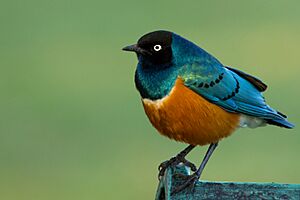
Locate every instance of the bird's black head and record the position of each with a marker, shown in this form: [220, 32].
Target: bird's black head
[154, 47]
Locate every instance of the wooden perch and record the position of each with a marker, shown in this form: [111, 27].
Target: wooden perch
[224, 190]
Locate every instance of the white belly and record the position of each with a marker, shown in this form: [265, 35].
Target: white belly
[251, 122]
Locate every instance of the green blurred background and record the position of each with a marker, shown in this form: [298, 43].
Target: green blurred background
[72, 125]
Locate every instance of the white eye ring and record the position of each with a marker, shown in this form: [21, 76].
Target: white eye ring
[157, 47]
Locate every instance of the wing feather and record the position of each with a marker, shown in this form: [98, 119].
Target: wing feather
[231, 89]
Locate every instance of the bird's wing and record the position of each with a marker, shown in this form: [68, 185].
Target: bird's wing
[230, 89]
[257, 83]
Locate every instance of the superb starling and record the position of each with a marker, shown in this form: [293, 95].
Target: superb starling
[190, 96]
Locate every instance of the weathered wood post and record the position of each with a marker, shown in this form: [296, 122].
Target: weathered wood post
[224, 190]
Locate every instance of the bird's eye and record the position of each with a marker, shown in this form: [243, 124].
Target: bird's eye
[157, 47]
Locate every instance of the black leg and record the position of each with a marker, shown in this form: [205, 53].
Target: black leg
[209, 152]
[176, 160]
[191, 180]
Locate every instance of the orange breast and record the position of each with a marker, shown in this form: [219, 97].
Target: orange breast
[186, 116]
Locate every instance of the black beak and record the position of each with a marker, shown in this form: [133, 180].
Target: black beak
[131, 48]
[136, 49]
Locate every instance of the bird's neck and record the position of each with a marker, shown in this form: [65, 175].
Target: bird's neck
[155, 83]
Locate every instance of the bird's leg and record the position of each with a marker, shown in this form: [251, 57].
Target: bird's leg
[179, 158]
[192, 179]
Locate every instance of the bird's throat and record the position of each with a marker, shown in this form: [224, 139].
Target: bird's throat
[155, 84]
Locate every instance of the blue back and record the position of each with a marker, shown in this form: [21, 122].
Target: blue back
[205, 75]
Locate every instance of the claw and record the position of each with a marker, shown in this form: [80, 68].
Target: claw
[166, 163]
[189, 183]
[180, 158]
[172, 163]
[189, 164]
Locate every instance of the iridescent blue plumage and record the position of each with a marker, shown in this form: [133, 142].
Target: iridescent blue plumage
[190, 96]
[205, 75]
[153, 83]
[231, 89]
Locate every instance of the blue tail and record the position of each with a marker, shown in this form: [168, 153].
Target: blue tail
[280, 122]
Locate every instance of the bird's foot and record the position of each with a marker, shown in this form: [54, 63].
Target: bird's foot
[189, 182]
[174, 162]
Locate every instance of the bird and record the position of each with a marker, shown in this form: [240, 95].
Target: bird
[191, 97]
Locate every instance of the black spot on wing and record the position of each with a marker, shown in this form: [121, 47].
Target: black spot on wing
[199, 85]
[234, 92]
[209, 84]
[221, 76]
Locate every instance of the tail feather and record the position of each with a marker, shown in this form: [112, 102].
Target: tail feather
[280, 113]
[280, 122]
